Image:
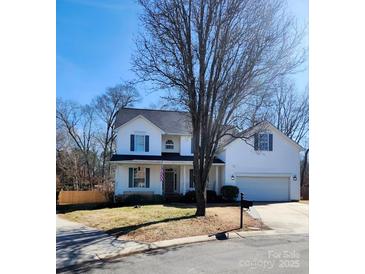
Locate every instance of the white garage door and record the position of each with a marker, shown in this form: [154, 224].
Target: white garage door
[264, 188]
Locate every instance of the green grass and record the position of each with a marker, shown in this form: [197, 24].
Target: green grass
[110, 218]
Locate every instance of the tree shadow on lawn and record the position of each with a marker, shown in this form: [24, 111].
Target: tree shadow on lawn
[119, 231]
[193, 205]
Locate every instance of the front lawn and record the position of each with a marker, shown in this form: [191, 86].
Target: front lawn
[152, 223]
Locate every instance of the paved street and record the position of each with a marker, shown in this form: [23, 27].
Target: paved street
[256, 254]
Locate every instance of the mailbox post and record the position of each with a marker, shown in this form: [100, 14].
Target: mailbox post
[241, 220]
[244, 204]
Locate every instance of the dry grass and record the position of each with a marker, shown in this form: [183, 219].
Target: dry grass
[162, 222]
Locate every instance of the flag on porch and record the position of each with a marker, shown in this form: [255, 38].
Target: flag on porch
[161, 175]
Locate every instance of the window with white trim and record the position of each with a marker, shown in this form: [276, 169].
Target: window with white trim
[139, 177]
[169, 144]
[264, 141]
[139, 142]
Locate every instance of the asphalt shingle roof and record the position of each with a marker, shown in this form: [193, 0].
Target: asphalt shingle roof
[172, 122]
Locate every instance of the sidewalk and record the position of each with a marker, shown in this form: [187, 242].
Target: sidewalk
[77, 243]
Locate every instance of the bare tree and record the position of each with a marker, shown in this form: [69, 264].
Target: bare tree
[290, 110]
[106, 107]
[304, 178]
[78, 122]
[215, 56]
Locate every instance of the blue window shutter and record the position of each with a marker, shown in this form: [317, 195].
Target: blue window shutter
[270, 142]
[132, 142]
[147, 143]
[147, 177]
[256, 141]
[130, 184]
[191, 178]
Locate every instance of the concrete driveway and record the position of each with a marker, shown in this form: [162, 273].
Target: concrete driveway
[289, 217]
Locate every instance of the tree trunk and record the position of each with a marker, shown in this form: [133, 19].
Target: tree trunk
[304, 168]
[200, 202]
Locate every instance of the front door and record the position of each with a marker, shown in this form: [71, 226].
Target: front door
[169, 181]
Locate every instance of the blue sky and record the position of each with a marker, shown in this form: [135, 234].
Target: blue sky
[95, 43]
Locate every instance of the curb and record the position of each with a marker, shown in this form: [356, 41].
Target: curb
[188, 240]
[174, 242]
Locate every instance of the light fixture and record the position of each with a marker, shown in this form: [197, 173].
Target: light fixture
[294, 177]
[232, 177]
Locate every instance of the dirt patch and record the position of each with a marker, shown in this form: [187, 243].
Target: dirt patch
[217, 219]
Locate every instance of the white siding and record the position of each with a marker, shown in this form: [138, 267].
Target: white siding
[185, 145]
[138, 126]
[212, 178]
[122, 180]
[241, 158]
[175, 139]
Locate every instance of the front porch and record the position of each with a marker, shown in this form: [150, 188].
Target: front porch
[167, 179]
[177, 179]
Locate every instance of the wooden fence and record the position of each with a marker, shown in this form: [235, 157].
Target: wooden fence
[81, 197]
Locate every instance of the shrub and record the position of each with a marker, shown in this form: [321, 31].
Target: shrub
[139, 199]
[229, 193]
[211, 196]
[158, 199]
[190, 197]
[135, 199]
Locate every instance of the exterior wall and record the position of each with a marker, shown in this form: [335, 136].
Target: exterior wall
[221, 178]
[138, 126]
[239, 157]
[175, 139]
[185, 145]
[122, 177]
[187, 178]
[213, 183]
[284, 159]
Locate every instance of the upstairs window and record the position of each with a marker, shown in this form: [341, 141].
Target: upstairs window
[139, 143]
[169, 144]
[264, 141]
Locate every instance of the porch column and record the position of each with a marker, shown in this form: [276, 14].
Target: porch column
[216, 178]
[161, 178]
[184, 181]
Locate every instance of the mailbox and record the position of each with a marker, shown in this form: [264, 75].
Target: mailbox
[246, 204]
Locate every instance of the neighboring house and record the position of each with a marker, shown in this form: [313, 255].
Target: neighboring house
[154, 155]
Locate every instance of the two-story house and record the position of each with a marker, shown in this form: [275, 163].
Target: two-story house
[154, 155]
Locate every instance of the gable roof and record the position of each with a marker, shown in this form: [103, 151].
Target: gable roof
[178, 122]
[171, 122]
[250, 131]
